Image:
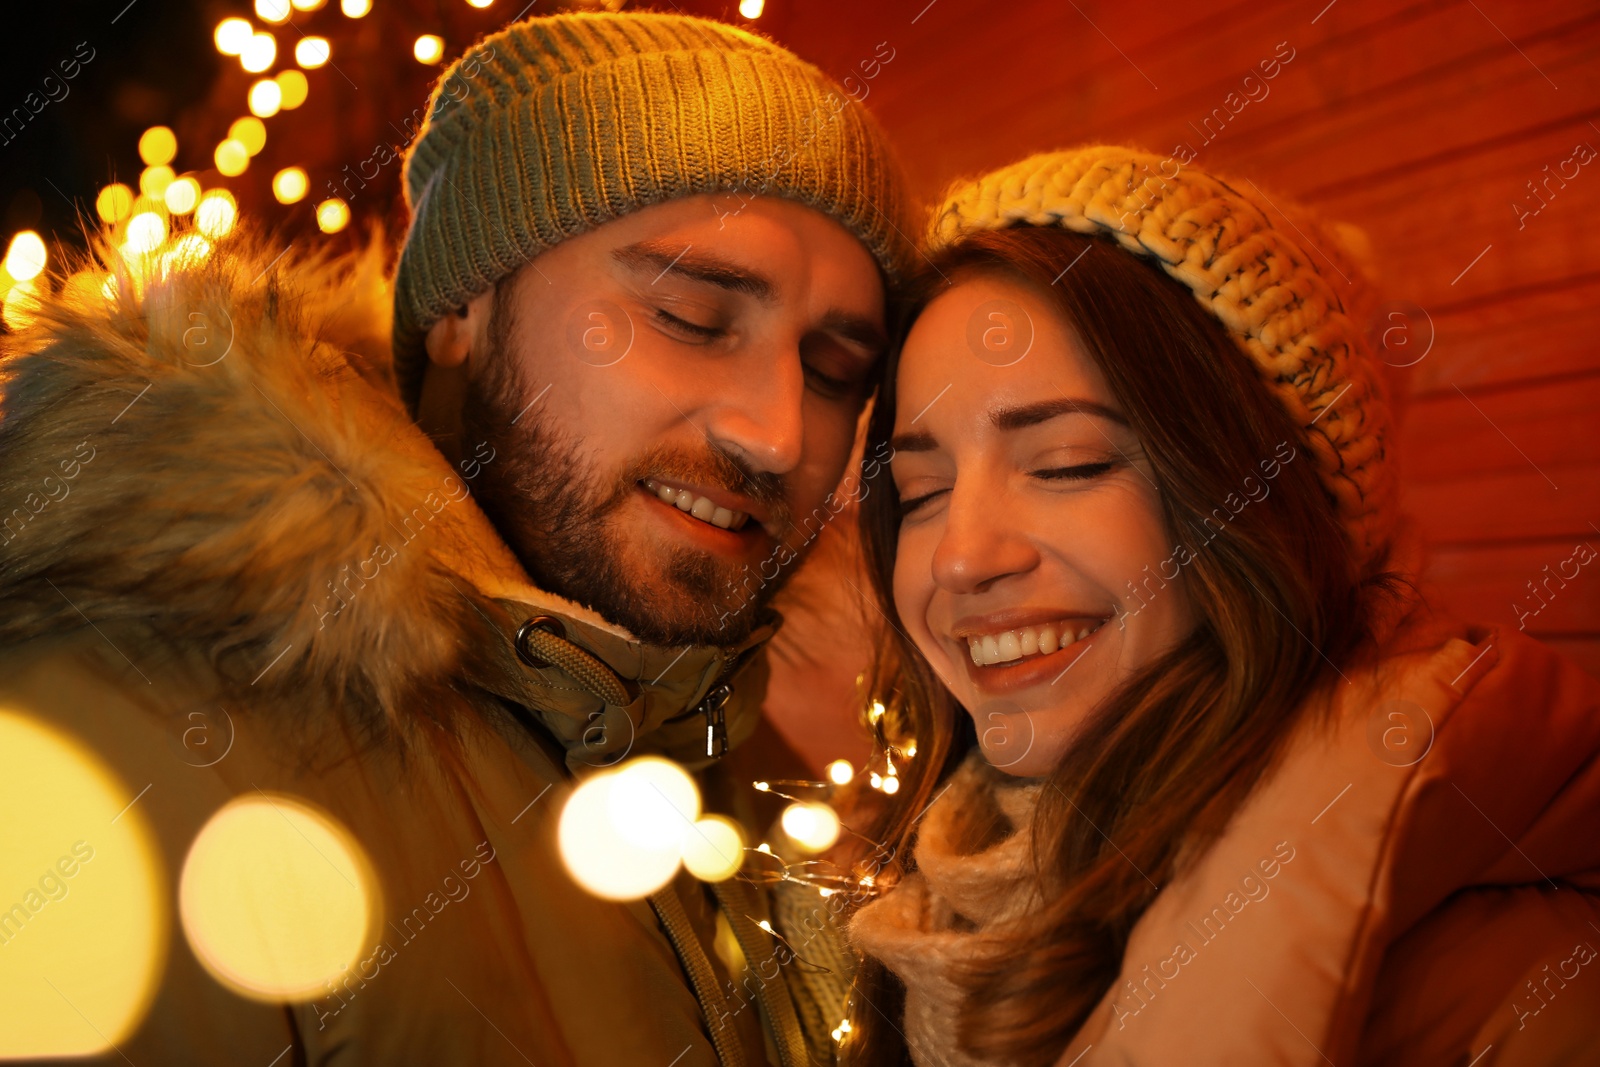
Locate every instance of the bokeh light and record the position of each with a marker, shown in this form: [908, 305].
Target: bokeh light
[273, 10]
[479, 3]
[216, 214]
[114, 202]
[622, 831]
[259, 52]
[289, 185]
[312, 52]
[153, 181]
[714, 849]
[308, 5]
[21, 304]
[751, 9]
[146, 231]
[840, 772]
[250, 132]
[265, 98]
[429, 48]
[355, 8]
[85, 932]
[333, 215]
[25, 256]
[182, 196]
[811, 824]
[190, 250]
[157, 146]
[232, 35]
[293, 87]
[232, 158]
[276, 898]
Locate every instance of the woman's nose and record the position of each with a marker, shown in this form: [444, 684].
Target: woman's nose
[982, 542]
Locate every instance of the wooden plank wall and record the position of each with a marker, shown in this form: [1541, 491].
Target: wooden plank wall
[1421, 122]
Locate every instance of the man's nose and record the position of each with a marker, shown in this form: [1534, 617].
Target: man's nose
[981, 541]
[760, 418]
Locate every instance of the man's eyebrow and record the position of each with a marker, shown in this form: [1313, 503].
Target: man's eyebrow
[1032, 414]
[659, 257]
[1016, 418]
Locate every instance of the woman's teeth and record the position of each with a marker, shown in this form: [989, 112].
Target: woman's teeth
[990, 649]
[698, 506]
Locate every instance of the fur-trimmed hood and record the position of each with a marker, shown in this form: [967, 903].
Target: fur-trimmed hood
[218, 455]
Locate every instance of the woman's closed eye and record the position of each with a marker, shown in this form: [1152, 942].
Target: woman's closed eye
[1081, 472]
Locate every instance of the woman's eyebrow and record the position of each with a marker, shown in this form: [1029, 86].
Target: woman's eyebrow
[1017, 418]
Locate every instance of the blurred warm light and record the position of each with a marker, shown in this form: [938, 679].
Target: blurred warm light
[355, 8]
[751, 9]
[312, 52]
[158, 145]
[114, 202]
[20, 307]
[153, 181]
[86, 927]
[714, 849]
[276, 898]
[622, 831]
[87, 288]
[272, 10]
[146, 231]
[840, 772]
[333, 215]
[216, 214]
[293, 87]
[308, 5]
[480, 3]
[289, 185]
[232, 158]
[26, 256]
[891, 785]
[250, 132]
[187, 251]
[259, 53]
[265, 98]
[429, 48]
[812, 825]
[182, 195]
[232, 35]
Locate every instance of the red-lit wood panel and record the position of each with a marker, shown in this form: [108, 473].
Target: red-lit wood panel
[1422, 123]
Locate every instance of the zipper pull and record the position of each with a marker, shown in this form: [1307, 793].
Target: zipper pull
[716, 726]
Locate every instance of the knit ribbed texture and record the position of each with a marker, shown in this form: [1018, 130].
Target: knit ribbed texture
[1285, 286]
[558, 124]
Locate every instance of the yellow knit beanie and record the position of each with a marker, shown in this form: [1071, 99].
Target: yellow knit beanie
[558, 124]
[1289, 287]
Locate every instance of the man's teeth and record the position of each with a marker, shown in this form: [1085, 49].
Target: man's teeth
[1014, 644]
[698, 506]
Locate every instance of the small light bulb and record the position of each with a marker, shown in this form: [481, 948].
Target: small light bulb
[429, 48]
[232, 35]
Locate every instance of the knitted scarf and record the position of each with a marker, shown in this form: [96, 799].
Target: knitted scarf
[972, 875]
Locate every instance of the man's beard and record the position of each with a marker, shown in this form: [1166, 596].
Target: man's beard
[560, 516]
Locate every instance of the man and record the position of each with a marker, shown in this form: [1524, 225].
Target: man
[637, 308]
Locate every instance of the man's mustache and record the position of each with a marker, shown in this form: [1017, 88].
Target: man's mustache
[714, 468]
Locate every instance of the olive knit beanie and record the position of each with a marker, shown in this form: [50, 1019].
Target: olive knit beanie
[558, 124]
[1289, 286]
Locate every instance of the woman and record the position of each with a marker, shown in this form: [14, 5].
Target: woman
[1198, 778]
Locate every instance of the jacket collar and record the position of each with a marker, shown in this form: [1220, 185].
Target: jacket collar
[676, 702]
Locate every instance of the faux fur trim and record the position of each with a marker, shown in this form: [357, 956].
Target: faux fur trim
[214, 454]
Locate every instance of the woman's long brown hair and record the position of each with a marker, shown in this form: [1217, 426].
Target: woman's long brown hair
[1165, 762]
